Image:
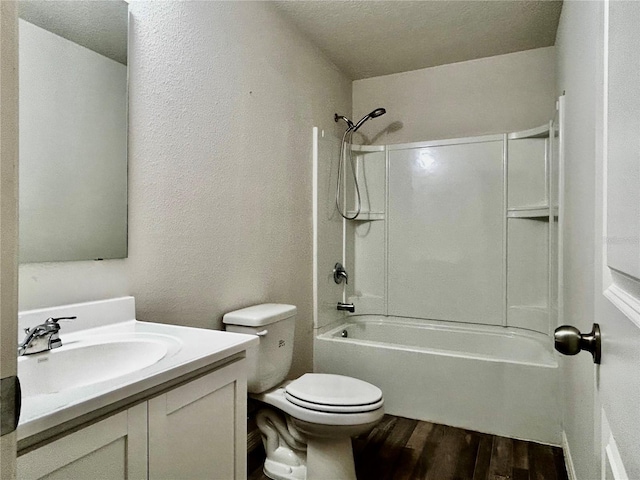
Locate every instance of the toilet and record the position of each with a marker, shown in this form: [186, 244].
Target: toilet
[306, 423]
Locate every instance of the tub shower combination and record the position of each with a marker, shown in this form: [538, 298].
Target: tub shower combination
[452, 263]
[480, 379]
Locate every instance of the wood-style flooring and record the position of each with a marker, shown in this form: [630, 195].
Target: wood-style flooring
[400, 448]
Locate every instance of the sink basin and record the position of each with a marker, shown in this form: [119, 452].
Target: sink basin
[108, 357]
[81, 363]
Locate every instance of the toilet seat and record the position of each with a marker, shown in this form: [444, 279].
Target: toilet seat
[333, 408]
[333, 393]
[276, 398]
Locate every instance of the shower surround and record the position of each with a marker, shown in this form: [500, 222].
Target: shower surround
[453, 273]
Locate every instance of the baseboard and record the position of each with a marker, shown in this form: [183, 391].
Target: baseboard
[568, 461]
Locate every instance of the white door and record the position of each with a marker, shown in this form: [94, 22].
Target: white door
[617, 262]
[8, 228]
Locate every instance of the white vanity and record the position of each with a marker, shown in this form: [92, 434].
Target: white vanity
[127, 399]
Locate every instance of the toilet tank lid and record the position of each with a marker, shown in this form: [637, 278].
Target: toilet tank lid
[260, 315]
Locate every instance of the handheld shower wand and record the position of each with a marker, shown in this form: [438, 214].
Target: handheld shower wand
[376, 113]
[351, 128]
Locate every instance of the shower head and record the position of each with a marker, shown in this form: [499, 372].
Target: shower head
[351, 127]
[349, 123]
[376, 113]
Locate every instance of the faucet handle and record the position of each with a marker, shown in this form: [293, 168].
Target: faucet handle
[56, 320]
[51, 324]
[339, 274]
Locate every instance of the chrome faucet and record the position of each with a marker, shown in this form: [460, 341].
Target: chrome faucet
[349, 307]
[43, 337]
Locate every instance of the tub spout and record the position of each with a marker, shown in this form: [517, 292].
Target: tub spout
[349, 307]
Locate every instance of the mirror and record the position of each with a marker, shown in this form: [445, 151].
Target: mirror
[73, 130]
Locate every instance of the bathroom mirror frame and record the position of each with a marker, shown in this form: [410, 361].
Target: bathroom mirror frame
[73, 202]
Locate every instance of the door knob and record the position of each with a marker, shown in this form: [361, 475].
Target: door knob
[569, 341]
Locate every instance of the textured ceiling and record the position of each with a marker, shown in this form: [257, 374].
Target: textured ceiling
[99, 25]
[367, 38]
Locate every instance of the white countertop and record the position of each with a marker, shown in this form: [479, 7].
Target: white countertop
[190, 349]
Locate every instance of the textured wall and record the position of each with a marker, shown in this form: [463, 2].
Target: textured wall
[578, 41]
[8, 212]
[8, 201]
[490, 95]
[223, 99]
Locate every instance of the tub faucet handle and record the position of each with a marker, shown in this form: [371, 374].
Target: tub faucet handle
[340, 274]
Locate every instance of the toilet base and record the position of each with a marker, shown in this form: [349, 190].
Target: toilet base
[330, 458]
[279, 471]
[292, 441]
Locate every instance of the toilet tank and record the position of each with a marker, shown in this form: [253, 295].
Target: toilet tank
[274, 324]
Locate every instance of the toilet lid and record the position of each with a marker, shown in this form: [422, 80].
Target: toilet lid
[333, 393]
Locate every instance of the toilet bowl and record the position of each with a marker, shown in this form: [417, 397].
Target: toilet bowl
[306, 423]
[324, 428]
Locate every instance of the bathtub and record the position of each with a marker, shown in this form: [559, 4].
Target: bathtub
[491, 379]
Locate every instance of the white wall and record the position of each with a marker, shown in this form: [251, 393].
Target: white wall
[59, 283]
[498, 94]
[8, 213]
[224, 96]
[578, 41]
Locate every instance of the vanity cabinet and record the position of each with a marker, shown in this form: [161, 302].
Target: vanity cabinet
[199, 430]
[194, 431]
[114, 448]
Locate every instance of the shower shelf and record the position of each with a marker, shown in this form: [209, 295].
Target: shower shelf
[538, 132]
[535, 213]
[366, 216]
[367, 148]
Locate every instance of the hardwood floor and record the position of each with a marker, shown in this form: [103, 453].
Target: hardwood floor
[403, 449]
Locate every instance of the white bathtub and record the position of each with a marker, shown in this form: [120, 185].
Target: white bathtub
[490, 379]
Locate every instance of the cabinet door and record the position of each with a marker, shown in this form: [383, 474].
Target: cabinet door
[198, 431]
[115, 448]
